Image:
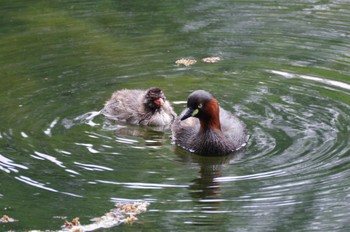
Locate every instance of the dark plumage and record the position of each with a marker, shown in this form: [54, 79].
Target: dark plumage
[142, 107]
[207, 129]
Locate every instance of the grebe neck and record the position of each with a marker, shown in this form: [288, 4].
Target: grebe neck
[211, 117]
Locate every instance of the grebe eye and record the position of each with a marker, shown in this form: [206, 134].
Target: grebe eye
[200, 106]
[195, 112]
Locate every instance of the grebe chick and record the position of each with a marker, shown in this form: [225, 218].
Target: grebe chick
[144, 107]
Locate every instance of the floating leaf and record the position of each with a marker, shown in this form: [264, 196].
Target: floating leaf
[213, 59]
[186, 62]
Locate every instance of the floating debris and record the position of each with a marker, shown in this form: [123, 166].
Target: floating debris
[122, 213]
[75, 222]
[213, 59]
[186, 62]
[131, 208]
[6, 219]
[131, 219]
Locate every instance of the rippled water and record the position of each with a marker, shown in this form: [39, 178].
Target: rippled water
[284, 71]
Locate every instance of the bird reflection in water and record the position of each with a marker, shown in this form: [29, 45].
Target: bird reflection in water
[151, 136]
[205, 190]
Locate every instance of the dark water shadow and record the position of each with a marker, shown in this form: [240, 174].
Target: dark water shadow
[205, 188]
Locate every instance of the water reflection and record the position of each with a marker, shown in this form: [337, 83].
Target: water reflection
[124, 133]
[7, 165]
[152, 137]
[86, 118]
[205, 189]
[284, 71]
[32, 182]
[42, 156]
[316, 79]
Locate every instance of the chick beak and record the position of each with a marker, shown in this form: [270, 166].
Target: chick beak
[159, 101]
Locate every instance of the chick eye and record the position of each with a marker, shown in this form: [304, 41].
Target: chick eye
[200, 106]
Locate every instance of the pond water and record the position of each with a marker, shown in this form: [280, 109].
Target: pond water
[284, 70]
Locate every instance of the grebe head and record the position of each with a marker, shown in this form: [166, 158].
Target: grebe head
[154, 98]
[202, 105]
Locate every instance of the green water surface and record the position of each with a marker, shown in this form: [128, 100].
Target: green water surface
[284, 70]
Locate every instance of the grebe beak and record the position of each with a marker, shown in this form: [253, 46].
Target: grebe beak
[189, 113]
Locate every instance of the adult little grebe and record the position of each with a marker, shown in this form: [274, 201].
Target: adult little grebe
[207, 129]
[148, 107]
